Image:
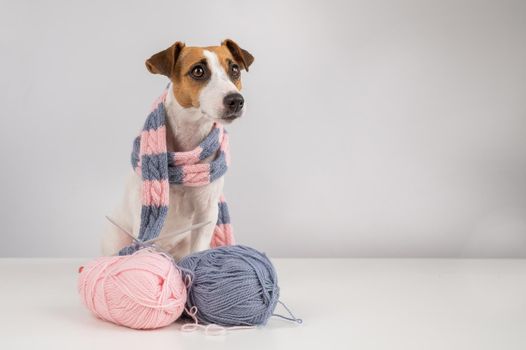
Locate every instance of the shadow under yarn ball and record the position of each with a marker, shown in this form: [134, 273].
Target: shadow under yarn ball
[231, 286]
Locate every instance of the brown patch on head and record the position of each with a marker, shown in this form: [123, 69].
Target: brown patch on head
[163, 62]
[186, 90]
[177, 62]
[242, 56]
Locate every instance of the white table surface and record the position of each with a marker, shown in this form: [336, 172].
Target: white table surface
[345, 304]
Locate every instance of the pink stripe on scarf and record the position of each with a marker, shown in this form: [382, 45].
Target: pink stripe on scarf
[153, 141]
[196, 175]
[221, 131]
[225, 147]
[190, 157]
[155, 192]
[223, 235]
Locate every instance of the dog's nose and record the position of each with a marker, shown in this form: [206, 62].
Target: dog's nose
[234, 102]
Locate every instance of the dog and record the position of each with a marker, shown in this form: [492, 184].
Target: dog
[204, 88]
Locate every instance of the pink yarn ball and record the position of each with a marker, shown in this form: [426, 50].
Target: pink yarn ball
[144, 290]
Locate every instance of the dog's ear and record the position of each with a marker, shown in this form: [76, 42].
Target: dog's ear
[164, 62]
[242, 56]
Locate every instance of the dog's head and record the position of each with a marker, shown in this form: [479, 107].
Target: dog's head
[205, 78]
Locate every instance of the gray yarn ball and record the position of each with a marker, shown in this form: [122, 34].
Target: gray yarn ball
[231, 286]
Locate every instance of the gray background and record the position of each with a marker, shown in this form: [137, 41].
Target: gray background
[374, 128]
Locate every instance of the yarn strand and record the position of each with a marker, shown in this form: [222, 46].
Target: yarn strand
[211, 329]
[292, 318]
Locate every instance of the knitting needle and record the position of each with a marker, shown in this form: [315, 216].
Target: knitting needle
[121, 228]
[193, 227]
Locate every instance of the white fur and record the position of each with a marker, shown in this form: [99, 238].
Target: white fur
[220, 85]
[188, 205]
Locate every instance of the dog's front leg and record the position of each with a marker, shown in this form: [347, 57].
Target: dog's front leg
[200, 238]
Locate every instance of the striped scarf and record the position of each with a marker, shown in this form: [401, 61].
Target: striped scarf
[159, 168]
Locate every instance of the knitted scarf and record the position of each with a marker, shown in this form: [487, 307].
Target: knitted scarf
[159, 168]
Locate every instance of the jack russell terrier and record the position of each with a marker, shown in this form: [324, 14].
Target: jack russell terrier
[187, 128]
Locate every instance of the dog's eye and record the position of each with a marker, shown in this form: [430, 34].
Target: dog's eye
[198, 72]
[234, 71]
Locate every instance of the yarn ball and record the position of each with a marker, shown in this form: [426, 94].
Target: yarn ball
[231, 286]
[144, 290]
